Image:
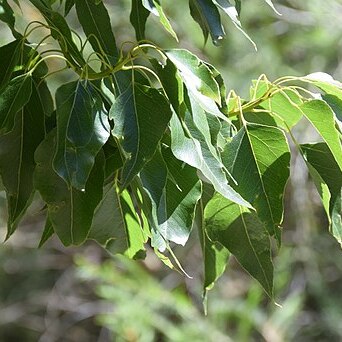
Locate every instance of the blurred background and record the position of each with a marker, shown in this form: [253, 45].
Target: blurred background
[82, 294]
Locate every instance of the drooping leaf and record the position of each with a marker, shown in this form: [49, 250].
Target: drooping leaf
[322, 118]
[69, 4]
[327, 177]
[95, 22]
[174, 189]
[195, 151]
[17, 159]
[116, 226]
[82, 129]
[242, 233]
[47, 233]
[13, 98]
[7, 16]
[155, 8]
[138, 17]
[233, 14]
[258, 157]
[199, 18]
[209, 18]
[140, 115]
[70, 210]
[270, 3]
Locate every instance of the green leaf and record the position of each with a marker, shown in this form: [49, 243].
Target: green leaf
[174, 189]
[327, 177]
[95, 22]
[138, 17]
[199, 18]
[17, 159]
[9, 58]
[155, 8]
[140, 115]
[70, 210]
[322, 118]
[196, 152]
[47, 233]
[269, 2]
[82, 129]
[210, 18]
[13, 98]
[7, 16]
[116, 225]
[241, 232]
[258, 157]
[69, 4]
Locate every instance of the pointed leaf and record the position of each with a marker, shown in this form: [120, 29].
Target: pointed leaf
[140, 115]
[82, 129]
[138, 17]
[195, 152]
[327, 177]
[269, 2]
[17, 159]
[241, 232]
[211, 16]
[95, 22]
[9, 58]
[322, 118]
[259, 159]
[175, 189]
[12, 99]
[70, 210]
[69, 4]
[47, 233]
[116, 226]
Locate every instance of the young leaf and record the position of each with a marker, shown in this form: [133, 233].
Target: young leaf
[138, 17]
[13, 98]
[95, 22]
[17, 159]
[82, 129]
[70, 210]
[241, 232]
[140, 115]
[258, 157]
[322, 118]
[327, 177]
[116, 226]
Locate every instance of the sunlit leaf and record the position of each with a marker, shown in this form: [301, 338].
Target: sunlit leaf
[241, 232]
[258, 157]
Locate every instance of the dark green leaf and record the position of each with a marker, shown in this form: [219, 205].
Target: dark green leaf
[138, 17]
[17, 159]
[70, 210]
[210, 17]
[140, 115]
[69, 4]
[12, 99]
[241, 232]
[82, 129]
[327, 177]
[95, 22]
[259, 159]
[9, 58]
[47, 233]
[7, 16]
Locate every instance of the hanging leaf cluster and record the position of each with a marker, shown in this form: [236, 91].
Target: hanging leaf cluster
[146, 144]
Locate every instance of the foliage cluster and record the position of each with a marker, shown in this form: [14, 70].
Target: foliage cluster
[147, 143]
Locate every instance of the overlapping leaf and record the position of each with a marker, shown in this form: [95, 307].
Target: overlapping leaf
[70, 210]
[174, 190]
[116, 225]
[258, 157]
[327, 177]
[242, 233]
[17, 158]
[13, 97]
[322, 118]
[138, 18]
[140, 115]
[95, 22]
[82, 129]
